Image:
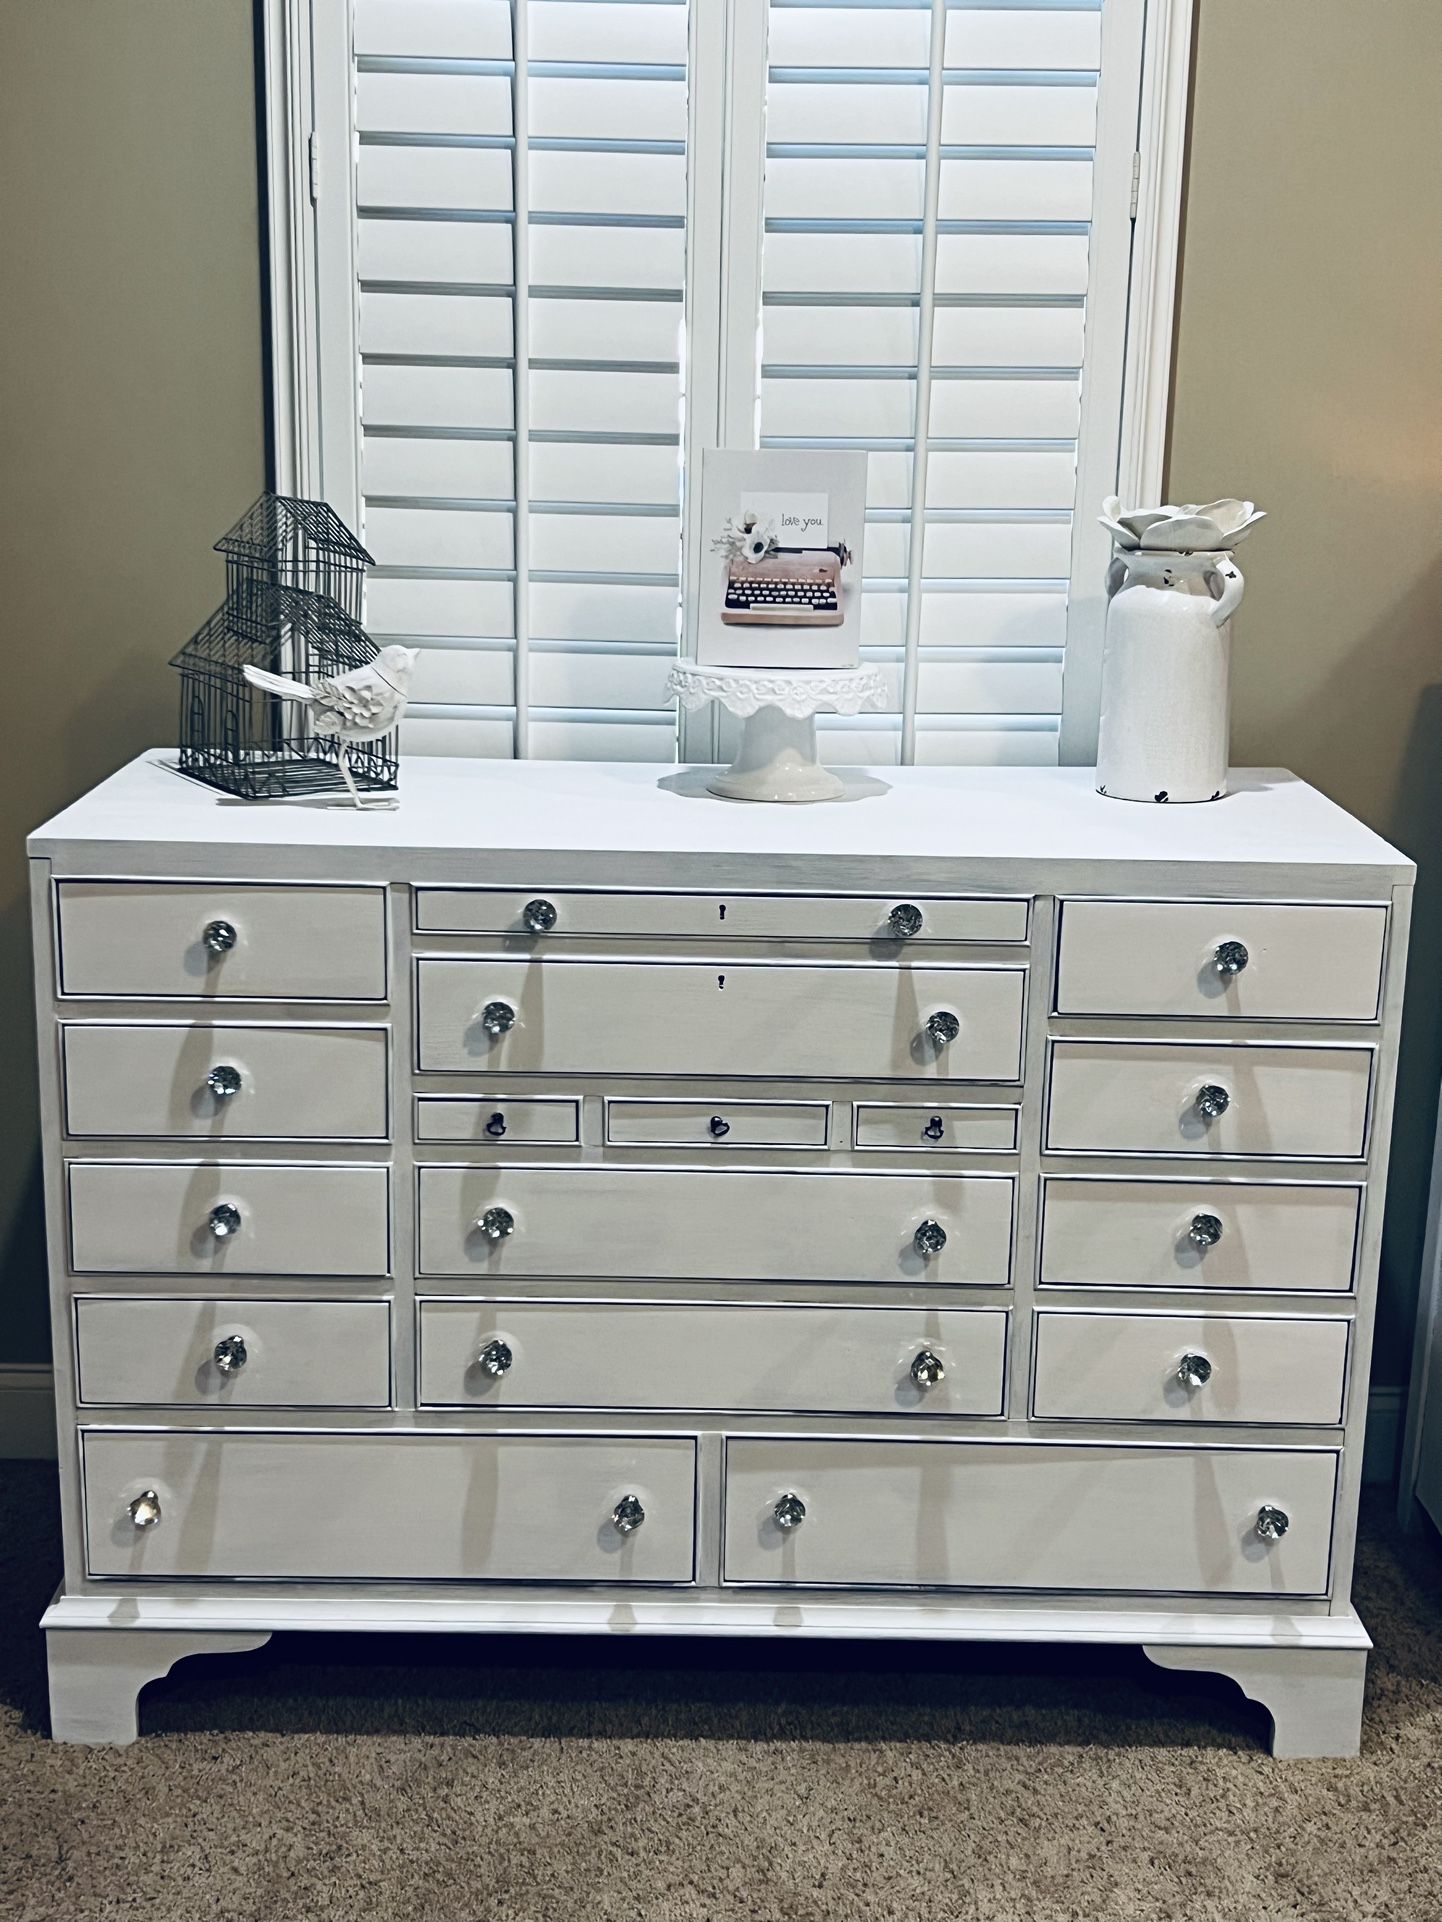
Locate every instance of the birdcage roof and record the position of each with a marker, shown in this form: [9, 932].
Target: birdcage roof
[250, 623]
[271, 525]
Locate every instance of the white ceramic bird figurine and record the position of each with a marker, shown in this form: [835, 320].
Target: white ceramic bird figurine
[359, 706]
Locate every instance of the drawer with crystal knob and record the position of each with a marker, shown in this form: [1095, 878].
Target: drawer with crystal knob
[683, 1355]
[722, 1019]
[261, 1506]
[718, 1124]
[932, 1127]
[225, 1080]
[1263, 961]
[1259, 1369]
[1270, 1237]
[237, 1218]
[498, 1121]
[714, 1224]
[548, 914]
[222, 940]
[1196, 1098]
[1173, 1519]
[232, 1354]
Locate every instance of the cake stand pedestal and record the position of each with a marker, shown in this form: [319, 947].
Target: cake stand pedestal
[777, 757]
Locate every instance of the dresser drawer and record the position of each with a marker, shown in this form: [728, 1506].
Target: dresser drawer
[714, 1225]
[1270, 1236]
[808, 1360]
[233, 1354]
[225, 1080]
[1190, 1368]
[222, 939]
[932, 1128]
[738, 917]
[262, 1507]
[718, 1124]
[498, 1121]
[1143, 1098]
[850, 1021]
[1030, 1516]
[1256, 960]
[129, 1218]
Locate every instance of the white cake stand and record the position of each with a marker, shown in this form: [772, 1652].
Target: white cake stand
[777, 757]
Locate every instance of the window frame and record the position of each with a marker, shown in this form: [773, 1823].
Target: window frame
[310, 275]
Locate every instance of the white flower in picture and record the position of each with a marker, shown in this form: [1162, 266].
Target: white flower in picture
[1214, 528]
[748, 539]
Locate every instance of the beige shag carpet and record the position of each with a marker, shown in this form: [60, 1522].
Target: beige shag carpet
[350, 1779]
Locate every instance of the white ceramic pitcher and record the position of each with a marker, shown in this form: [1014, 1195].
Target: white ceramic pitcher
[1165, 722]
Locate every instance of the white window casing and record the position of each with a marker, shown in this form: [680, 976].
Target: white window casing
[945, 233]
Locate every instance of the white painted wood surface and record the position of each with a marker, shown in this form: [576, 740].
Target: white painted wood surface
[936, 1127]
[493, 1120]
[961, 1514]
[819, 1360]
[743, 1124]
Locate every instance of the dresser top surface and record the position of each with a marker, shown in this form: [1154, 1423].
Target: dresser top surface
[972, 816]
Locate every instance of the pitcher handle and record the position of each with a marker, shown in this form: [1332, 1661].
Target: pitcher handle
[1116, 575]
[1231, 586]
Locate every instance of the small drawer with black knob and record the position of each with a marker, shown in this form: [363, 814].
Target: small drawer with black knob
[717, 1124]
[842, 1020]
[260, 1506]
[173, 1353]
[224, 1081]
[1248, 960]
[221, 940]
[1258, 1099]
[721, 1223]
[1129, 1519]
[810, 1359]
[933, 1127]
[499, 1121]
[548, 915]
[228, 1217]
[1284, 1370]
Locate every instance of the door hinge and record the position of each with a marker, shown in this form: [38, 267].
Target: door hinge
[1136, 182]
[315, 169]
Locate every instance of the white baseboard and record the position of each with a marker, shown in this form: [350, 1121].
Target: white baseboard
[27, 1420]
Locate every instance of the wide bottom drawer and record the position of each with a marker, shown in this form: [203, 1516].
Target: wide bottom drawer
[1217, 1521]
[662, 1355]
[530, 1508]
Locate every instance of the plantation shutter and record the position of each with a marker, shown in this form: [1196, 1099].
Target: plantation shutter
[899, 227]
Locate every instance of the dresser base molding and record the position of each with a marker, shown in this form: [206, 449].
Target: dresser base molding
[1314, 1696]
[96, 1678]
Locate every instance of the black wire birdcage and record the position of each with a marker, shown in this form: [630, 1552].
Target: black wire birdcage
[294, 574]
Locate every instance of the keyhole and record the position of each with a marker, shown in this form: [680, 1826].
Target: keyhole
[720, 980]
[722, 910]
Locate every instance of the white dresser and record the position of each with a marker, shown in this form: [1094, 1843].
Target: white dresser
[572, 1203]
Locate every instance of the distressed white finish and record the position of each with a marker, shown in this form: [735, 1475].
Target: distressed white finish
[710, 1318]
[95, 1680]
[1314, 1699]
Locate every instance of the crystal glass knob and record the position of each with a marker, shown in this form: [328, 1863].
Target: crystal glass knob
[219, 937]
[496, 1223]
[495, 1359]
[498, 1017]
[1231, 957]
[628, 1515]
[144, 1511]
[224, 1221]
[928, 1370]
[223, 1082]
[1212, 1101]
[1194, 1371]
[719, 1126]
[1205, 1231]
[943, 1027]
[539, 916]
[930, 1238]
[1272, 1523]
[789, 1512]
[496, 1126]
[230, 1354]
[904, 920]
[935, 1128]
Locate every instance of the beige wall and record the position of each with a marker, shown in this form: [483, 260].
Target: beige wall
[1309, 373]
[1309, 377]
[131, 432]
